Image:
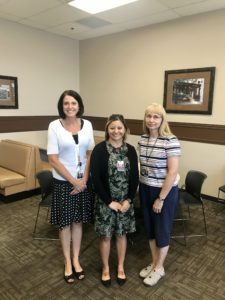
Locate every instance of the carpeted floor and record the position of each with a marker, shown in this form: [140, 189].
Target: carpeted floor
[33, 269]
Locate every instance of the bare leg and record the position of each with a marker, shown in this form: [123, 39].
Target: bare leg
[76, 244]
[104, 246]
[65, 237]
[121, 245]
[154, 251]
[162, 253]
[158, 254]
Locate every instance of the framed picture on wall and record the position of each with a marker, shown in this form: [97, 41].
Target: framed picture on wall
[189, 91]
[8, 92]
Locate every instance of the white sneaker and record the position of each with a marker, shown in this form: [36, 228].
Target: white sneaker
[154, 277]
[146, 271]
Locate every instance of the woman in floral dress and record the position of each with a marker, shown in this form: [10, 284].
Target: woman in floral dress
[114, 171]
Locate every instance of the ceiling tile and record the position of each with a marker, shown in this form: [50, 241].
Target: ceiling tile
[32, 23]
[157, 18]
[26, 8]
[9, 17]
[202, 7]
[93, 22]
[133, 11]
[71, 28]
[179, 3]
[59, 15]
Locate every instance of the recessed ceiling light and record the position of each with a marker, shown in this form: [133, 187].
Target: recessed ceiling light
[96, 6]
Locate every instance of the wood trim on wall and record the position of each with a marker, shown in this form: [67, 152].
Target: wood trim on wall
[194, 132]
[25, 123]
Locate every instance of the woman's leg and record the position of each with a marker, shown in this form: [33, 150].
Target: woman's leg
[154, 252]
[158, 255]
[65, 237]
[104, 246]
[76, 244]
[121, 245]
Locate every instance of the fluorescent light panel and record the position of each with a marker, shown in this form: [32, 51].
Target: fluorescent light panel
[96, 6]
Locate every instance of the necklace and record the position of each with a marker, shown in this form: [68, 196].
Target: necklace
[144, 169]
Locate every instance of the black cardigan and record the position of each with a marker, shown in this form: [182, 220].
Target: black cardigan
[99, 172]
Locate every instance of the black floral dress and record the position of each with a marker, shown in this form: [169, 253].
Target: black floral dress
[107, 221]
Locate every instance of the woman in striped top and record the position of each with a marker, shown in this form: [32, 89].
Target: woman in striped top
[159, 153]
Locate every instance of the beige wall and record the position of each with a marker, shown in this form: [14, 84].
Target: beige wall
[45, 64]
[38, 138]
[124, 72]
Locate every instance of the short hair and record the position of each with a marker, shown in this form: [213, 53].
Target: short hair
[112, 118]
[76, 96]
[164, 129]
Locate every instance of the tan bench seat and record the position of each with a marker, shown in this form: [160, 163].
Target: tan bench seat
[19, 162]
[9, 178]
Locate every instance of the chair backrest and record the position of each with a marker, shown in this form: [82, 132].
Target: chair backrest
[45, 178]
[193, 182]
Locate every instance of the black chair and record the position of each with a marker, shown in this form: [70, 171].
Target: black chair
[221, 189]
[190, 196]
[44, 178]
[180, 218]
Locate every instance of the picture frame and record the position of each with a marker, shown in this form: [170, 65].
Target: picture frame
[8, 92]
[189, 91]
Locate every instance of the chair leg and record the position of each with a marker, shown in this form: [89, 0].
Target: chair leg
[184, 231]
[47, 215]
[203, 212]
[35, 225]
[189, 213]
[184, 236]
[218, 197]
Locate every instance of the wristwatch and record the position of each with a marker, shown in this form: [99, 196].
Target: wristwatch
[161, 199]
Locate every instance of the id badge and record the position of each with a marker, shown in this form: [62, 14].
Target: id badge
[120, 166]
[144, 171]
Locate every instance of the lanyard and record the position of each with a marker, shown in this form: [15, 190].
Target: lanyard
[79, 169]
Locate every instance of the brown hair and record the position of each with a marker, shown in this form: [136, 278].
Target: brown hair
[112, 118]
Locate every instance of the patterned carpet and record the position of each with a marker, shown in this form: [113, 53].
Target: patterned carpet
[33, 269]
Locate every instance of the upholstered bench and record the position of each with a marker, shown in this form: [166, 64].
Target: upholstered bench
[19, 163]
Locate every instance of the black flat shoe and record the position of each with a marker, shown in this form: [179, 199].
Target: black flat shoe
[121, 281]
[106, 283]
[79, 275]
[68, 278]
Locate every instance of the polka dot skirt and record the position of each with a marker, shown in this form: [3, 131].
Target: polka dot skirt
[67, 209]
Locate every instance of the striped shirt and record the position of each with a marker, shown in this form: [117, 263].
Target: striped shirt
[153, 155]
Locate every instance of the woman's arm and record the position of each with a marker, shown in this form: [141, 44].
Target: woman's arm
[133, 179]
[134, 173]
[54, 161]
[99, 167]
[172, 165]
[87, 166]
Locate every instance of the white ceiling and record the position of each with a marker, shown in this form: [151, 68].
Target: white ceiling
[57, 17]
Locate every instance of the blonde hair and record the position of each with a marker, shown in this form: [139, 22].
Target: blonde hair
[164, 129]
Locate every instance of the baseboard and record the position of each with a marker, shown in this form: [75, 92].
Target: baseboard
[19, 196]
[214, 199]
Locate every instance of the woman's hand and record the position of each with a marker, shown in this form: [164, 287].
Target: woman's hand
[116, 206]
[79, 185]
[157, 206]
[125, 205]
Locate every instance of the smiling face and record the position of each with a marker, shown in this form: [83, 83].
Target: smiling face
[116, 131]
[153, 121]
[70, 106]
